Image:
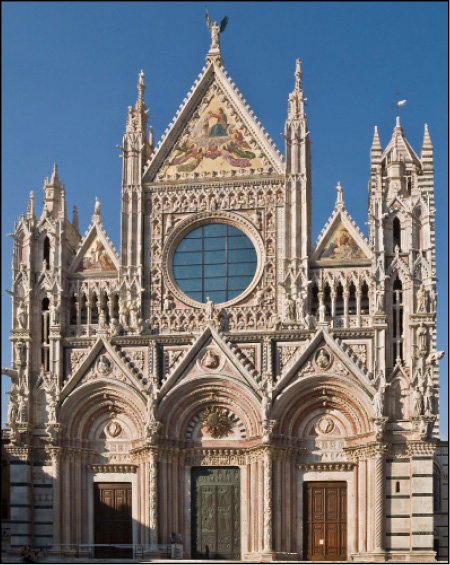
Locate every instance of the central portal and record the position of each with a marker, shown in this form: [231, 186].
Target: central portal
[216, 513]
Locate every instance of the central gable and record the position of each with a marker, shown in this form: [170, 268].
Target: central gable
[214, 133]
[213, 140]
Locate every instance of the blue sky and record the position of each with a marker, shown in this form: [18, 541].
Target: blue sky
[70, 69]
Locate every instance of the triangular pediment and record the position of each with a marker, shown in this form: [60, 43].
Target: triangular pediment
[209, 354]
[95, 255]
[103, 361]
[214, 134]
[323, 354]
[341, 243]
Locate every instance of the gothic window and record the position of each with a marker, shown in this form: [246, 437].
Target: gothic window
[106, 299]
[416, 229]
[352, 300]
[396, 401]
[216, 261]
[94, 309]
[47, 252]
[83, 309]
[115, 309]
[45, 334]
[365, 299]
[73, 310]
[436, 489]
[397, 234]
[409, 183]
[327, 299]
[339, 300]
[397, 320]
[314, 299]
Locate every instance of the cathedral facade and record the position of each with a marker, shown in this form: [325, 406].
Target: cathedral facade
[223, 381]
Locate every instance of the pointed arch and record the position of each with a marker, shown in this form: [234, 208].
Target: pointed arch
[46, 250]
[397, 320]
[396, 233]
[189, 398]
[293, 408]
[86, 403]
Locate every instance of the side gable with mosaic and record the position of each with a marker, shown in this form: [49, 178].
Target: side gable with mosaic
[222, 376]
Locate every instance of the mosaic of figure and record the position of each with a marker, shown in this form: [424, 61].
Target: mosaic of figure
[213, 142]
[342, 246]
[96, 259]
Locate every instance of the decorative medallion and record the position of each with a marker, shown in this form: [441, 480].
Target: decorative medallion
[323, 359]
[215, 421]
[104, 366]
[211, 359]
[324, 425]
[113, 429]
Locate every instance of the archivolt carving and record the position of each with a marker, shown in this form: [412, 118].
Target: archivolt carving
[186, 401]
[84, 404]
[300, 399]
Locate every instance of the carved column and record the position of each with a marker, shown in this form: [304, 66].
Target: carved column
[56, 455]
[267, 534]
[333, 305]
[362, 507]
[153, 497]
[379, 500]
[346, 295]
[358, 308]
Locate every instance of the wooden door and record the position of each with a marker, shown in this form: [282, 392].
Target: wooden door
[325, 516]
[113, 519]
[216, 513]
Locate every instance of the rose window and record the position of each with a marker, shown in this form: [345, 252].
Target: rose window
[216, 261]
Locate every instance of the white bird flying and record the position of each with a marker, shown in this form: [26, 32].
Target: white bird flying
[401, 103]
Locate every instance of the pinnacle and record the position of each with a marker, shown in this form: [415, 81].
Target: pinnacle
[30, 212]
[54, 176]
[298, 75]
[376, 145]
[426, 139]
[398, 126]
[75, 222]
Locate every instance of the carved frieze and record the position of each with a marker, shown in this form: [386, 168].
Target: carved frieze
[219, 457]
[113, 468]
[322, 467]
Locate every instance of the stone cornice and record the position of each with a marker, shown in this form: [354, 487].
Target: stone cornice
[368, 451]
[204, 183]
[417, 448]
[20, 453]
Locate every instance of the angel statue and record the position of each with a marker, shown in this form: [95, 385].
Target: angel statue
[215, 30]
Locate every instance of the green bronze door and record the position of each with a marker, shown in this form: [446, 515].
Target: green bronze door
[215, 513]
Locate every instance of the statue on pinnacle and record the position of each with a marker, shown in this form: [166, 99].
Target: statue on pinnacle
[215, 30]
